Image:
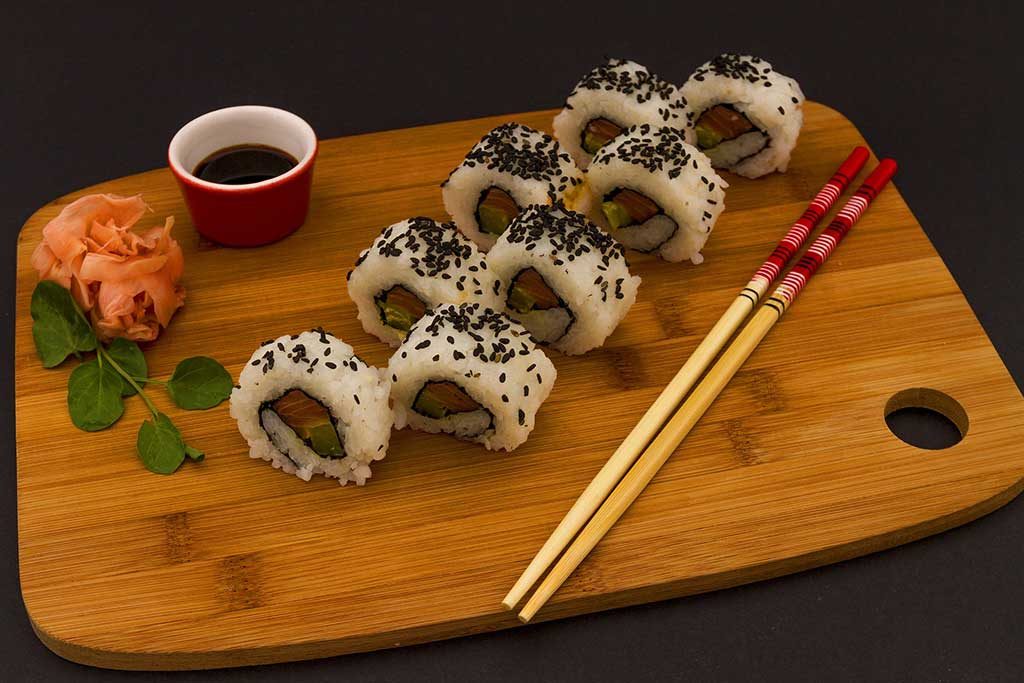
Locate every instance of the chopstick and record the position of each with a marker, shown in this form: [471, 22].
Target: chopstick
[633, 484]
[699, 360]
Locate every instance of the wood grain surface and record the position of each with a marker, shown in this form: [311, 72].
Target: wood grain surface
[230, 562]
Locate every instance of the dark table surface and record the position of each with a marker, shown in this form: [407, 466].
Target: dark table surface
[90, 94]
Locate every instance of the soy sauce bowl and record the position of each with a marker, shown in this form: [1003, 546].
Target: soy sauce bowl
[253, 214]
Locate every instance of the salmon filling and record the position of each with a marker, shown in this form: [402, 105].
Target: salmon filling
[495, 210]
[399, 308]
[720, 123]
[310, 420]
[440, 399]
[529, 292]
[625, 207]
[598, 133]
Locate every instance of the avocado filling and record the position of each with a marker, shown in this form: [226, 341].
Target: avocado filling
[495, 210]
[529, 292]
[719, 123]
[625, 207]
[310, 421]
[440, 399]
[598, 133]
[399, 308]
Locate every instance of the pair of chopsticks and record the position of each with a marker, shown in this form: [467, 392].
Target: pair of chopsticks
[666, 423]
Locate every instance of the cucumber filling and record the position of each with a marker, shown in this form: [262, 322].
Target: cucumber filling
[399, 308]
[636, 220]
[438, 400]
[495, 210]
[624, 208]
[598, 133]
[529, 292]
[311, 422]
[536, 306]
[727, 136]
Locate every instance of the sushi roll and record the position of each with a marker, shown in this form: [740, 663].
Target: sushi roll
[746, 116]
[411, 267]
[308, 405]
[658, 193]
[568, 282]
[511, 167]
[472, 372]
[610, 99]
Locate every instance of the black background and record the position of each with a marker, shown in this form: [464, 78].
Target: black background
[90, 94]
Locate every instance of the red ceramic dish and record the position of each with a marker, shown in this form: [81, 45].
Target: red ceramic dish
[253, 214]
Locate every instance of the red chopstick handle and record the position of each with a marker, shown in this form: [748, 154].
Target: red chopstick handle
[830, 238]
[793, 240]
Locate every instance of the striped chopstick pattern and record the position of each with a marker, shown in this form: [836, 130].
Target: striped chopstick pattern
[817, 209]
[829, 239]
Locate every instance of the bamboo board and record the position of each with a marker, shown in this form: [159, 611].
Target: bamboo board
[792, 468]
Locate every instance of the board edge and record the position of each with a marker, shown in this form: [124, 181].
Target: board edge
[84, 654]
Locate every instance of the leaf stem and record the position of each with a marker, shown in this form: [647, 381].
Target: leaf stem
[101, 352]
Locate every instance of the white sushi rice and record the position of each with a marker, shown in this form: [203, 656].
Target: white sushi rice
[771, 101]
[326, 369]
[432, 260]
[660, 164]
[528, 165]
[624, 93]
[490, 357]
[582, 265]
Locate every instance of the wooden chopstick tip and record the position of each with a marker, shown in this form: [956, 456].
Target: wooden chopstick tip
[526, 614]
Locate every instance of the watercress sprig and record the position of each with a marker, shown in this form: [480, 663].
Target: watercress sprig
[97, 387]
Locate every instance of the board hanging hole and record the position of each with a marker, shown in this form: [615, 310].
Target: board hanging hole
[926, 418]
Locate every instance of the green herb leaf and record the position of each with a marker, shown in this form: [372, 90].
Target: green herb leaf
[194, 453]
[94, 396]
[129, 356]
[59, 328]
[199, 383]
[160, 446]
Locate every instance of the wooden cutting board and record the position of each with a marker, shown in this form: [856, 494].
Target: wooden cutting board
[231, 562]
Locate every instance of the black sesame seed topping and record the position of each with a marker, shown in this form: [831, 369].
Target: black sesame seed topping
[654, 149]
[563, 233]
[433, 249]
[522, 152]
[631, 80]
[738, 67]
[474, 321]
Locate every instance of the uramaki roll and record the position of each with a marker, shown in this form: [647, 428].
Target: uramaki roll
[567, 281]
[470, 371]
[413, 266]
[512, 167]
[308, 405]
[745, 115]
[658, 193]
[612, 98]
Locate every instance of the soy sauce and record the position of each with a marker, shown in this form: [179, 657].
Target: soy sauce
[244, 164]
